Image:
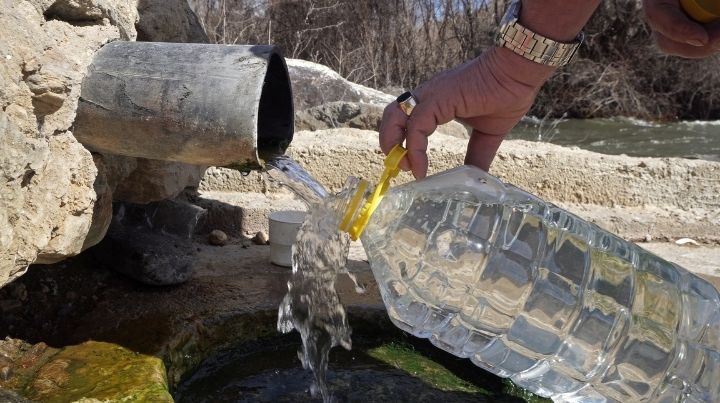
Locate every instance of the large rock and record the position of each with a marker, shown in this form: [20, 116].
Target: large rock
[356, 115]
[325, 100]
[152, 243]
[169, 21]
[56, 198]
[88, 372]
[49, 197]
[314, 84]
[153, 180]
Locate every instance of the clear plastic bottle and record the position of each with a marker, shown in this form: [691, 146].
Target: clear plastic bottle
[529, 291]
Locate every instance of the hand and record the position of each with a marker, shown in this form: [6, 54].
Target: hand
[677, 34]
[491, 94]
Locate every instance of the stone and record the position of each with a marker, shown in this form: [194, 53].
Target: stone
[217, 238]
[146, 256]
[102, 210]
[261, 238]
[314, 84]
[174, 217]
[119, 13]
[357, 116]
[48, 197]
[324, 100]
[8, 396]
[91, 371]
[340, 114]
[169, 21]
[153, 180]
[152, 243]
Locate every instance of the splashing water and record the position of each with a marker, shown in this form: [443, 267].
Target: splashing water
[312, 305]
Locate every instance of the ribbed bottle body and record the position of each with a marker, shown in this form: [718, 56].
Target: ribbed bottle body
[529, 291]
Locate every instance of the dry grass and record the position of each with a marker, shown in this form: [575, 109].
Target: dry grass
[400, 43]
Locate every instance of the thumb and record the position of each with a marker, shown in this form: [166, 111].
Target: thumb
[482, 148]
[667, 18]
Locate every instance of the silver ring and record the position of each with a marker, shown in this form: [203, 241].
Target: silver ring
[407, 102]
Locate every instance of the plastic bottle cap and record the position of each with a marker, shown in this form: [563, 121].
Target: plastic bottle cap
[702, 10]
[392, 168]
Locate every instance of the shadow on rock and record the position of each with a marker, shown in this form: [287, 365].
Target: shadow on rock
[151, 243]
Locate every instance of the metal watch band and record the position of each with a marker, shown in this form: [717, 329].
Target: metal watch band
[536, 47]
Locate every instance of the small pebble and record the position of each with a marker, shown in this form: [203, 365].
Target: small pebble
[260, 238]
[217, 238]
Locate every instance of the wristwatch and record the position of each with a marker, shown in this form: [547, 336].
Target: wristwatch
[531, 45]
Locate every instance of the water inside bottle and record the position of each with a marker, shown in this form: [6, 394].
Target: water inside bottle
[529, 291]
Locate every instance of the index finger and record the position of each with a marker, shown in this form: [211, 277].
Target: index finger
[392, 128]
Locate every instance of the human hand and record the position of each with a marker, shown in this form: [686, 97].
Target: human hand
[490, 93]
[677, 34]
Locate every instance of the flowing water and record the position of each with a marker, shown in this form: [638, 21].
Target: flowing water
[312, 306]
[685, 139]
[288, 172]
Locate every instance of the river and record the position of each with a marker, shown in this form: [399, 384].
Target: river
[686, 139]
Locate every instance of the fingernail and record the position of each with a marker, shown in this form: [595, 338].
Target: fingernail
[694, 42]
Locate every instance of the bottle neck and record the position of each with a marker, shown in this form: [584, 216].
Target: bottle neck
[356, 193]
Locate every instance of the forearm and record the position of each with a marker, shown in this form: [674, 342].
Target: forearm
[559, 20]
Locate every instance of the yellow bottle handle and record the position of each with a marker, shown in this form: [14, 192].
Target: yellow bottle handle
[704, 11]
[392, 168]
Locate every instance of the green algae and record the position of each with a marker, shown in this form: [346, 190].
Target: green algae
[404, 357]
[98, 371]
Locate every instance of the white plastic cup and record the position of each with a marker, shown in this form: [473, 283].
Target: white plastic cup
[284, 226]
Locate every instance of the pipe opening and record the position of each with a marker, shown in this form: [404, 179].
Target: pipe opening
[276, 117]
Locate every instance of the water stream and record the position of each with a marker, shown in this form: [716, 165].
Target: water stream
[312, 305]
[633, 137]
[288, 172]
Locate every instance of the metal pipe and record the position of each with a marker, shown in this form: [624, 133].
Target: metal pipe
[223, 105]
